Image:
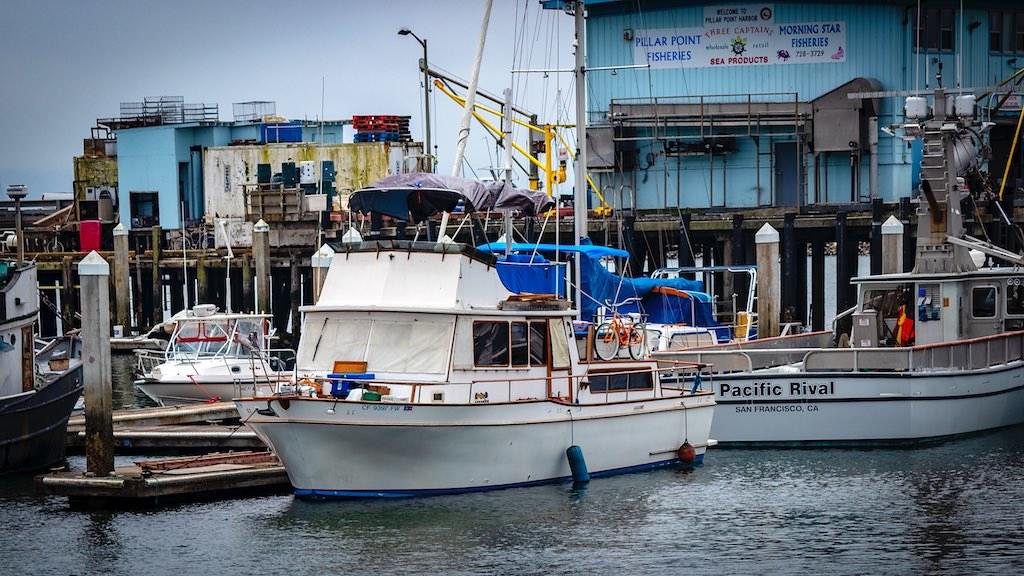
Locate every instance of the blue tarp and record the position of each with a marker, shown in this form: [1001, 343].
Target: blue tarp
[601, 287]
[523, 273]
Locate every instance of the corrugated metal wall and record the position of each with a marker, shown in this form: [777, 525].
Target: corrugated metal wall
[879, 46]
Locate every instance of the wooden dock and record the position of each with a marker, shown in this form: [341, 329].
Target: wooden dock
[156, 482]
[177, 429]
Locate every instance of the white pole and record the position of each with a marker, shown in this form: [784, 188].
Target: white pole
[467, 115]
[580, 166]
[507, 136]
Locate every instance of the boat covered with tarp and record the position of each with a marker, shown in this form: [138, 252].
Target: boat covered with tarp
[419, 195]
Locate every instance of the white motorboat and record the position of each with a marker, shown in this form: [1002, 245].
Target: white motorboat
[473, 388]
[961, 372]
[214, 356]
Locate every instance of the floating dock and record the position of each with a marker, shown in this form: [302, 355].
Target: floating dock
[156, 482]
[191, 428]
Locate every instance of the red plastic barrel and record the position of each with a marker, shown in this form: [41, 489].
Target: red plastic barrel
[89, 235]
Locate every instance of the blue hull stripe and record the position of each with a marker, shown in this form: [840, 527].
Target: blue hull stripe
[314, 494]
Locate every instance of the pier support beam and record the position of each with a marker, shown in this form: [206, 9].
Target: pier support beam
[261, 255]
[892, 246]
[790, 278]
[818, 285]
[876, 235]
[246, 284]
[67, 280]
[158, 289]
[846, 259]
[202, 281]
[122, 277]
[295, 296]
[94, 273]
[684, 256]
[909, 240]
[768, 290]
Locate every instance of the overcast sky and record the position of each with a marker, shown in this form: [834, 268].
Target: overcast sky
[65, 63]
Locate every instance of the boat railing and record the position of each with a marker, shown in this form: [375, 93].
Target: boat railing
[973, 354]
[146, 360]
[479, 391]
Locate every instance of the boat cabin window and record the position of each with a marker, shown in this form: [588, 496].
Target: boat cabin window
[983, 302]
[618, 382]
[887, 302]
[1015, 296]
[393, 344]
[515, 344]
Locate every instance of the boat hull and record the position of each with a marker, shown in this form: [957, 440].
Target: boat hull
[865, 408]
[170, 391]
[366, 449]
[33, 427]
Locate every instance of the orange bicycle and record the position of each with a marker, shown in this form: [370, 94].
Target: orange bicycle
[621, 331]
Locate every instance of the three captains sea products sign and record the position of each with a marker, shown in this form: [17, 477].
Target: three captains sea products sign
[745, 35]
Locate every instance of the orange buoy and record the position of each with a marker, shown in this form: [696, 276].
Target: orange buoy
[686, 453]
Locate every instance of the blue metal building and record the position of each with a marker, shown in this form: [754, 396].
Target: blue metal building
[748, 105]
[160, 155]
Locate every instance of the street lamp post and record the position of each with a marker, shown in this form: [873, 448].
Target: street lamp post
[17, 192]
[426, 94]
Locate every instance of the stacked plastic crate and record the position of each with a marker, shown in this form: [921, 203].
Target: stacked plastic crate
[381, 128]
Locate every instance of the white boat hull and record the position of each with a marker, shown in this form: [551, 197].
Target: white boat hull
[865, 408]
[382, 449]
[176, 391]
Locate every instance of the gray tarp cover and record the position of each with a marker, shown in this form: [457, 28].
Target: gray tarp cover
[483, 196]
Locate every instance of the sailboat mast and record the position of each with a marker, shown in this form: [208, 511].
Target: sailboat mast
[580, 165]
[467, 115]
[507, 136]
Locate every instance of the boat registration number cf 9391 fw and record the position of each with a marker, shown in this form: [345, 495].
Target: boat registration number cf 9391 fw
[770, 390]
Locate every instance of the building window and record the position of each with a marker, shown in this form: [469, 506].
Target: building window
[983, 302]
[935, 31]
[145, 209]
[1006, 32]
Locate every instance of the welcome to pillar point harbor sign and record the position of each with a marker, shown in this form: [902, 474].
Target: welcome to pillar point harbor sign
[745, 35]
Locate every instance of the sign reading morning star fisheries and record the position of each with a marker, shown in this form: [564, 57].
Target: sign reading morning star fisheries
[745, 35]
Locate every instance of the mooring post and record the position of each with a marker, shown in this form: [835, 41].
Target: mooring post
[818, 285]
[892, 246]
[261, 254]
[321, 261]
[768, 289]
[876, 236]
[122, 276]
[94, 275]
[158, 289]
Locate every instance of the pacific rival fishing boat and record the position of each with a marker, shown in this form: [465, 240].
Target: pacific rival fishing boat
[213, 356]
[38, 391]
[435, 379]
[959, 370]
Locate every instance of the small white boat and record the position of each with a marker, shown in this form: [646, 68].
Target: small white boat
[214, 356]
[472, 388]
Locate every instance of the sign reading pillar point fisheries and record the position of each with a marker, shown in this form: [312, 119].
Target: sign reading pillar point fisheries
[744, 35]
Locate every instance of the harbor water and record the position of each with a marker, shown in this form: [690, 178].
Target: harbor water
[952, 508]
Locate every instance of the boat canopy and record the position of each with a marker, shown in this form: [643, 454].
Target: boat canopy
[600, 287]
[419, 195]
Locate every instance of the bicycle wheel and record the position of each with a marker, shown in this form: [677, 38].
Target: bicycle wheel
[606, 341]
[637, 343]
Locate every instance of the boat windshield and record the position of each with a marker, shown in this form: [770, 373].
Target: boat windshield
[233, 338]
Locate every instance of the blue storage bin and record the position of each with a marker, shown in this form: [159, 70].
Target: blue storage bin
[341, 384]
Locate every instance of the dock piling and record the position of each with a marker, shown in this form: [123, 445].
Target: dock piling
[261, 256]
[876, 236]
[94, 273]
[122, 277]
[158, 289]
[892, 246]
[768, 288]
[818, 285]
